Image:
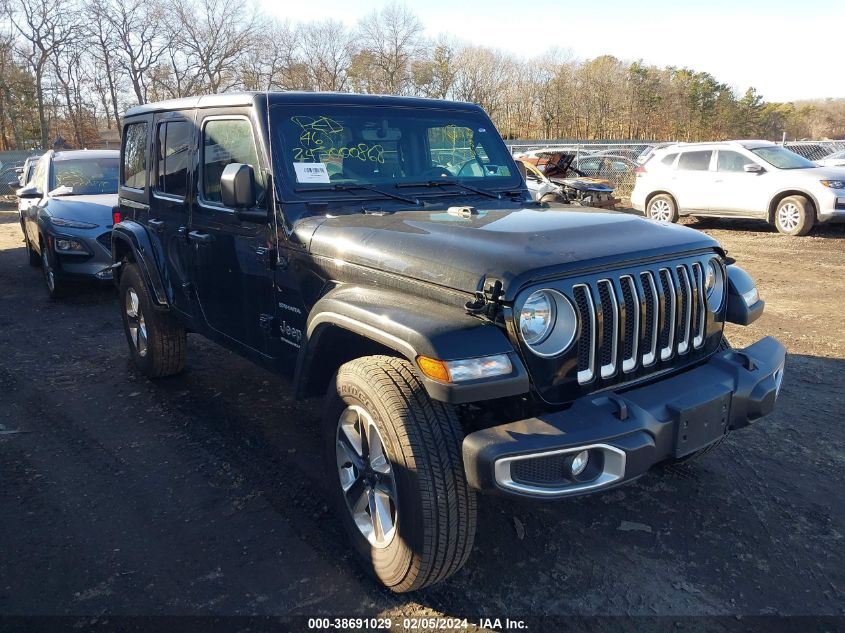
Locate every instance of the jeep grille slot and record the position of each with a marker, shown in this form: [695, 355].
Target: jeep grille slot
[609, 311]
[652, 305]
[636, 320]
[587, 335]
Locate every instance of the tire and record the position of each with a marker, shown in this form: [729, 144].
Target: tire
[794, 215]
[662, 208]
[56, 288]
[421, 485]
[34, 258]
[157, 341]
[724, 346]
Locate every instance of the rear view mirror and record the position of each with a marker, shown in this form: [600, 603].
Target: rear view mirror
[28, 192]
[753, 168]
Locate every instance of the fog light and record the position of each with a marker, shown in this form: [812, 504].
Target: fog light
[579, 463]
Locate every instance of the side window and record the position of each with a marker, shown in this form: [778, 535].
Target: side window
[462, 152]
[38, 175]
[669, 159]
[135, 155]
[173, 143]
[731, 161]
[225, 141]
[695, 161]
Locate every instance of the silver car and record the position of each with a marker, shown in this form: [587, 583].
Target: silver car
[67, 227]
[747, 179]
[836, 159]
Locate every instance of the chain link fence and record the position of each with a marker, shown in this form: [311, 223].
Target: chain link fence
[615, 161]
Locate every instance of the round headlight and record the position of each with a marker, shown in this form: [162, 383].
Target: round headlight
[714, 284]
[537, 317]
[547, 323]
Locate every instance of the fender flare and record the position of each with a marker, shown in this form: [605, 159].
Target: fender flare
[412, 326]
[133, 235]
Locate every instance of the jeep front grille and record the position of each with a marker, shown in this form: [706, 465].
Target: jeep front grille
[632, 321]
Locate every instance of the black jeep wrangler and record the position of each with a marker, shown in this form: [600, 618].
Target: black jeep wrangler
[385, 252]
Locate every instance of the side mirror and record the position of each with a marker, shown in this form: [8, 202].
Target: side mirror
[753, 168]
[237, 191]
[237, 186]
[29, 192]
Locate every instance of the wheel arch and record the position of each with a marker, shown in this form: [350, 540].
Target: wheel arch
[656, 193]
[131, 243]
[779, 196]
[362, 321]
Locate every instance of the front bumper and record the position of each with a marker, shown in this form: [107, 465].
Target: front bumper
[93, 264]
[626, 433]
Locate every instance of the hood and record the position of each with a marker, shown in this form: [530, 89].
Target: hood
[96, 209]
[514, 246]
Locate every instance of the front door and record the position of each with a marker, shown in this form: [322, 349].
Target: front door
[736, 191]
[233, 277]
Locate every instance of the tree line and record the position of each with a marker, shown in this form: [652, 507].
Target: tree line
[69, 68]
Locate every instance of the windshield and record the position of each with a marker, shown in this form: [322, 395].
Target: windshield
[783, 158]
[85, 176]
[352, 147]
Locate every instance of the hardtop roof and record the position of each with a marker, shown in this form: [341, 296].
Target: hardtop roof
[327, 98]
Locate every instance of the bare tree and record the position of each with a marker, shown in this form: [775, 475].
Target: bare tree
[46, 27]
[327, 47]
[216, 33]
[392, 39]
[137, 27]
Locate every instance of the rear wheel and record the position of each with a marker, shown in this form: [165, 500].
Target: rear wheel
[156, 340]
[795, 215]
[397, 473]
[662, 208]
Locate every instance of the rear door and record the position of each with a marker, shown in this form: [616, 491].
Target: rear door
[692, 180]
[231, 258]
[174, 145]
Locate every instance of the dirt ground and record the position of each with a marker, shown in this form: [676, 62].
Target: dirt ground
[202, 494]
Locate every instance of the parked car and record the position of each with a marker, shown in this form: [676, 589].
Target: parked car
[836, 159]
[577, 187]
[749, 179]
[25, 175]
[67, 226]
[616, 169]
[466, 339]
[542, 189]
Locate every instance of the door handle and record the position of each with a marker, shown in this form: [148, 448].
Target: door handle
[202, 238]
[156, 225]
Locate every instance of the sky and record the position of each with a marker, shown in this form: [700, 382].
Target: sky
[787, 50]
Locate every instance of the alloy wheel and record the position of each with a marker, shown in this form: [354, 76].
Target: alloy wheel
[366, 476]
[135, 322]
[660, 211]
[789, 216]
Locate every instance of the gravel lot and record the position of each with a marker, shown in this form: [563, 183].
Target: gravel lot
[202, 494]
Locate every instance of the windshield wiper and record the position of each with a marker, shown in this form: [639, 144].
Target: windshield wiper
[442, 183]
[343, 187]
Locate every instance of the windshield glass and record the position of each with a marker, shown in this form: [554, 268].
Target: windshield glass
[85, 176]
[783, 158]
[320, 148]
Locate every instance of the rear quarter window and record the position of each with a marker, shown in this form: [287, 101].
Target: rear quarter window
[695, 161]
[134, 155]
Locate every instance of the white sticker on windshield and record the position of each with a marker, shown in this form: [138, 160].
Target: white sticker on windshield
[311, 172]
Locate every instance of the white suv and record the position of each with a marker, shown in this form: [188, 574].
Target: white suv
[746, 179]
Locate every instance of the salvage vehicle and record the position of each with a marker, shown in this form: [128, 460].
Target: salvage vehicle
[385, 252]
[542, 189]
[580, 189]
[67, 223]
[740, 179]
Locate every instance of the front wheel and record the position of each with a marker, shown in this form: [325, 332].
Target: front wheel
[794, 215]
[397, 473]
[662, 208]
[55, 287]
[156, 340]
